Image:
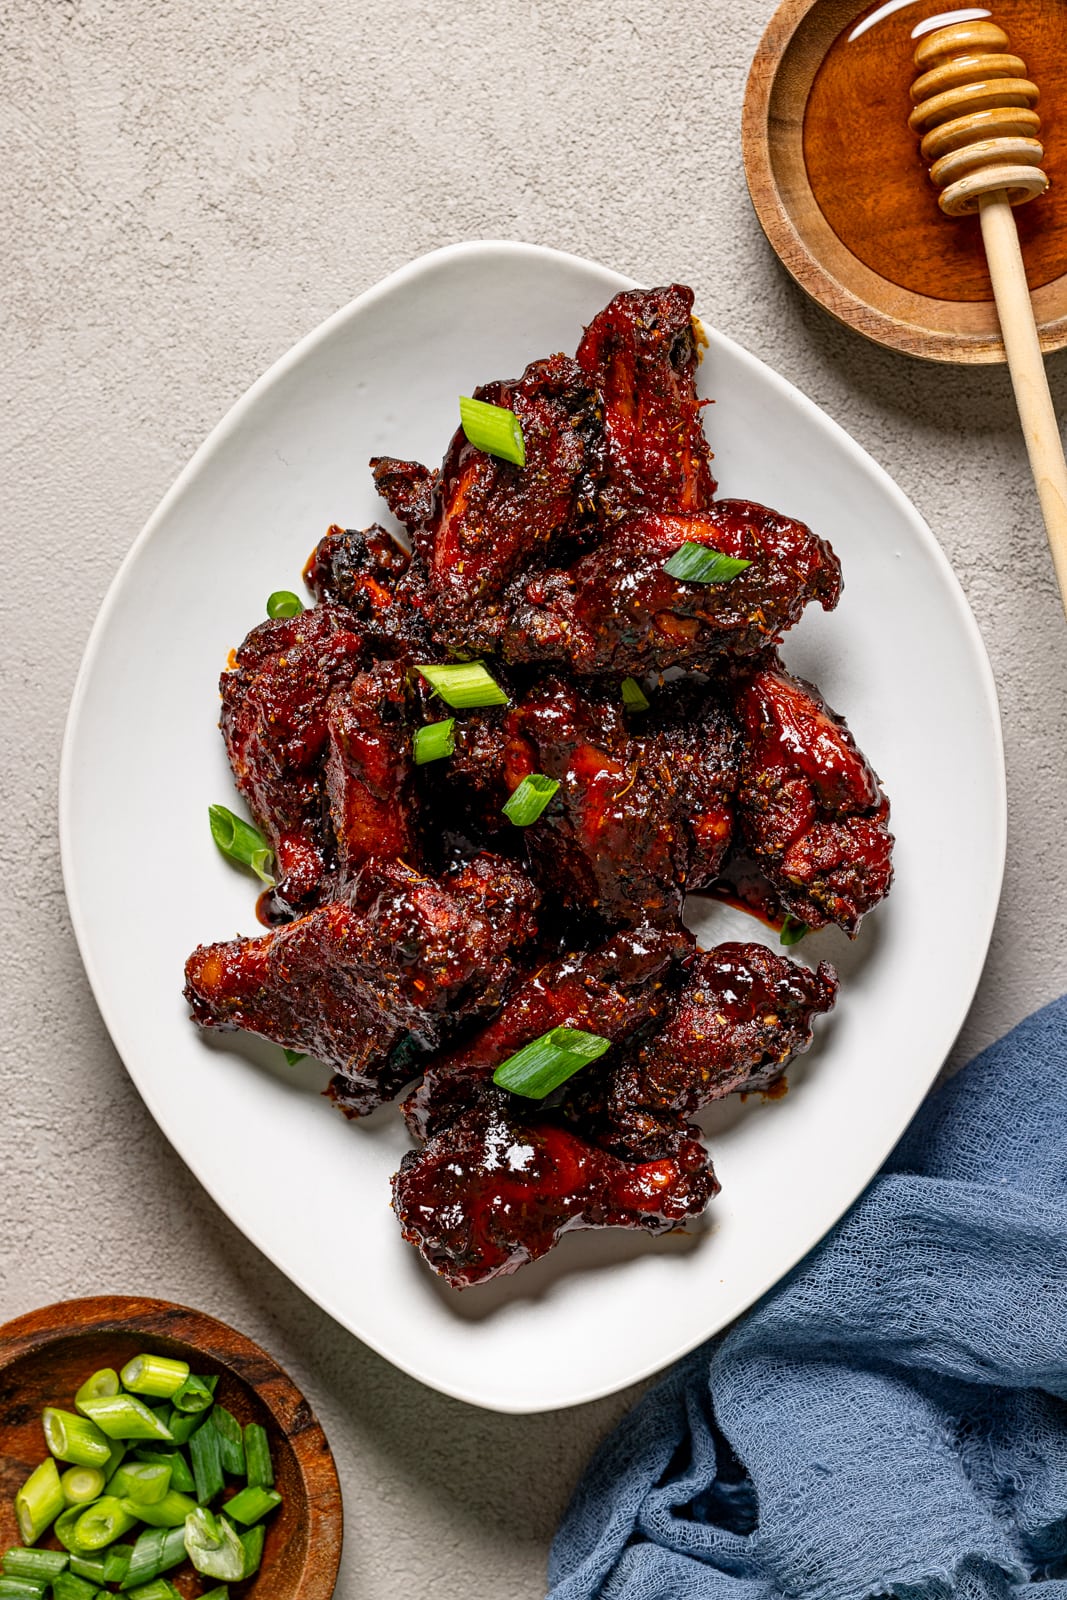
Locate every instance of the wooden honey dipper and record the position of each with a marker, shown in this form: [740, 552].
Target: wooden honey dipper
[974, 110]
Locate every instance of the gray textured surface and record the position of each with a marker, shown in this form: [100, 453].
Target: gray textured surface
[187, 189]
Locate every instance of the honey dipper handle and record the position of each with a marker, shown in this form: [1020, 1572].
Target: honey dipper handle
[1029, 380]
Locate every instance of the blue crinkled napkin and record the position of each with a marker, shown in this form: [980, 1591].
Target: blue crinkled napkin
[892, 1418]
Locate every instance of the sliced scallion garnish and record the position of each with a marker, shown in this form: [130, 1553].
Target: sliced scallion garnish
[244, 844]
[258, 1465]
[494, 429]
[155, 1376]
[213, 1546]
[284, 603]
[72, 1438]
[81, 1485]
[699, 563]
[294, 1056]
[530, 799]
[633, 696]
[545, 1063]
[434, 741]
[464, 685]
[39, 1502]
[792, 931]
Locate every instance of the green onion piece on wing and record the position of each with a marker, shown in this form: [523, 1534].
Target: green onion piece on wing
[156, 1376]
[792, 931]
[699, 563]
[633, 696]
[293, 1056]
[464, 685]
[39, 1502]
[81, 1485]
[494, 429]
[530, 799]
[545, 1063]
[213, 1546]
[244, 844]
[284, 603]
[434, 741]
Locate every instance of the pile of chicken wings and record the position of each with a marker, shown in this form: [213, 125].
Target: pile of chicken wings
[419, 937]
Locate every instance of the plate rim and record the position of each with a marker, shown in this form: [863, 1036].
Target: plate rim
[218, 435]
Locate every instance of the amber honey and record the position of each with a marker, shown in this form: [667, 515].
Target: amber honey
[870, 182]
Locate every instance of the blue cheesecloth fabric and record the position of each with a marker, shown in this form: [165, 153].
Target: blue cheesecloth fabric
[891, 1419]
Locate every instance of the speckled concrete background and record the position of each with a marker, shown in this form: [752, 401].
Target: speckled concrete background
[187, 188]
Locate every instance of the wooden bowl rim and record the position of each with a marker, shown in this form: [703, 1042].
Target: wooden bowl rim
[66, 1320]
[762, 140]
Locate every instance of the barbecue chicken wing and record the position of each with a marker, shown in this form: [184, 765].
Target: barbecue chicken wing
[496, 1190]
[369, 573]
[640, 355]
[616, 610]
[743, 1014]
[812, 811]
[274, 722]
[395, 960]
[369, 775]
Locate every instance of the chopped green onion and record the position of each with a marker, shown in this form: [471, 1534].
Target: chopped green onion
[180, 1476]
[434, 741]
[231, 1445]
[116, 1561]
[260, 1469]
[219, 1593]
[284, 603]
[156, 1551]
[206, 1455]
[250, 1504]
[65, 1530]
[25, 1588]
[103, 1522]
[104, 1382]
[530, 799]
[545, 1063]
[42, 1565]
[158, 1589]
[699, 563]
[142, 1482]
[91, 1567]
[156, 1376]
[123, 1416]
[170, 1512]
[195, 1395]
[182, 1425]
[39, 1502]
[792, 931]
[213, 1547]
[82, 1484]
[494, 429]
[72, 1438]
[252, 1544]
[633, 696]
[464, 685]
[242, 843]
[68, 1586]
[293, 1057]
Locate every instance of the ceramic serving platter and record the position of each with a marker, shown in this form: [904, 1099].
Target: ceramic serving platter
[901, 657]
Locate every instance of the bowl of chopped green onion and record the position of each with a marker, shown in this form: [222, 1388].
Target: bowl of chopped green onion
[150, 1451]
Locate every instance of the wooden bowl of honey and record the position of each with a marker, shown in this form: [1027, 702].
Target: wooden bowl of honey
[46, 1355]
[843, 194]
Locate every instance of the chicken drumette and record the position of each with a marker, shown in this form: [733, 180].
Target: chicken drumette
[391, 964]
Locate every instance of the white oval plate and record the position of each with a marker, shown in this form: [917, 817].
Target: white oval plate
[901, 657]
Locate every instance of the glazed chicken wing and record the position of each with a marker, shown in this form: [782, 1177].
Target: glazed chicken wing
[741, 1017]
[614, 991]
[395, 959]
[274, 722]
[812, 811]
[616, 609]
[369, 573]
[640, 355]
[496, 1190]
[369, 774]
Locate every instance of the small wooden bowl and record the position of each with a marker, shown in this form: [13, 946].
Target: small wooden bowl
[842, 193]
[46, 1355]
